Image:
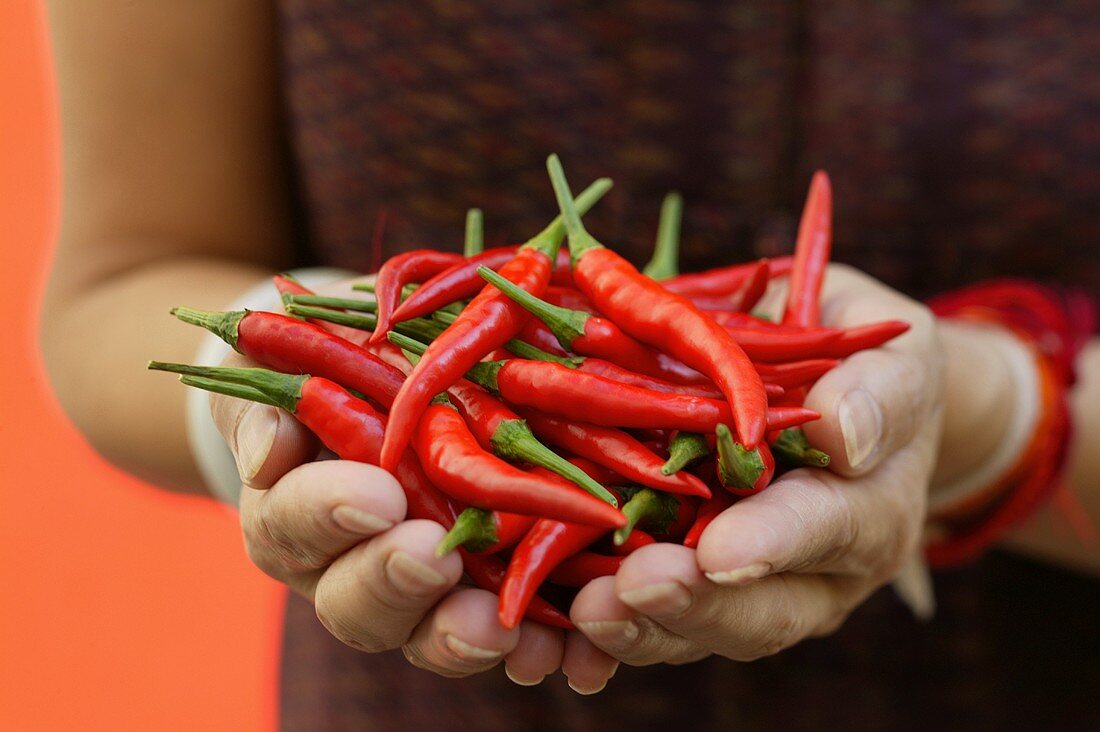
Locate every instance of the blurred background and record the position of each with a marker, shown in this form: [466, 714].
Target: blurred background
[182, 633]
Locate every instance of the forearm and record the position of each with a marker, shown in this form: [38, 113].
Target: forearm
[96, 339]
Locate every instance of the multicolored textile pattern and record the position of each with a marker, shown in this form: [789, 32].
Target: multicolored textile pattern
[963, 139]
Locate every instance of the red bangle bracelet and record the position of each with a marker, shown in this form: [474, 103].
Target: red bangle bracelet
[1057, 326]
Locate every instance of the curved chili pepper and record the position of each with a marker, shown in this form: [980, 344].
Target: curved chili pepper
[615, 450]
[793, 374]
[460, 468]
[400, 270]
[583, 567]
[708, 511]
[290, 345]
[474, 243]
[461, 281]
[863, 337]
[665, 262]
[485, 532]
[743, 472]
[743, 298]
[811, 254]
[768, 346]
[643, 309]
[546, 545]
[353, 430]
[724, 280]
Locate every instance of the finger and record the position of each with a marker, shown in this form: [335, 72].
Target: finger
[878, 399]
[616, 628]
[266, 442]
[537, 654]
[587, 669]
[373, 596]
[461, 636]
[813, 521]
[315, 513]
[743, 623]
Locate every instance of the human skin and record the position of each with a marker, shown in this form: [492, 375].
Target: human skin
[177, 193]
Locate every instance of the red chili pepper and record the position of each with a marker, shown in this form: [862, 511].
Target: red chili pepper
[462, 281]
[768, 346]
[290, 345]
[601, 473]
[583, 567]
[485, 532]
[615, 450]
[743, 472]
[562, 276]
[745, 320]
[537, 334]
[567, 297]
[724, 280]
[708, 511]
[863, 337]
[456, 463]
[743, 299]
[811, 254]
[353, 430]
[400, 270]
[546, 545]
[795, 373]
[643, 309]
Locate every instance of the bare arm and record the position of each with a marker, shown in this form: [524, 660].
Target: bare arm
[175, 192]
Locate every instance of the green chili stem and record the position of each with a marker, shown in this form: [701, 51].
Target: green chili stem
[474, 529]
[649, 509]
[555, 230]
[523, 349]
[684, 449]
[580, 241]
[514, 440]
[566, 325]
[666, 254]
[279, 390]
[340, 303]
[737, 467]
[794, 450]
[483, 374]
[475, 233]
[417, 327]
[223, 325]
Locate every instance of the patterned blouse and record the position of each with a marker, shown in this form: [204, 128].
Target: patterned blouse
[963, 139]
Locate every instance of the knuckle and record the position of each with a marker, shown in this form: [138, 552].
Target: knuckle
[415, 655]
[276, 538]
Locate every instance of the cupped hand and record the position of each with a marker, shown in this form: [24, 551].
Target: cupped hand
[794, 560]
[335, 531]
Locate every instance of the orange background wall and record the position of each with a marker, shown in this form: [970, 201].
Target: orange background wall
[121, 607]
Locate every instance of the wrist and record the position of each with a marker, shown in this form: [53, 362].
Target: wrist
[992, 406]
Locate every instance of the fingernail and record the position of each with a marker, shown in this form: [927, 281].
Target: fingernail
[254, 436]
[741, 575]
[520, 681]
[358, 521]
[860, 424]
[612, 634]
[413, 576]
[664, 599]
[586, 692]
[464, 650]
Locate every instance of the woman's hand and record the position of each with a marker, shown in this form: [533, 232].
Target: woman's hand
[335, 532]
[794, 560]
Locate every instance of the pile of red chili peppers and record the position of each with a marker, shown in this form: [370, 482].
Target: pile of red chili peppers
[554, 408]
